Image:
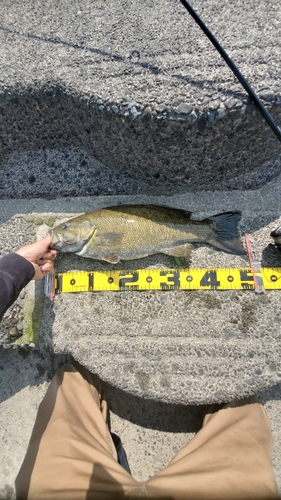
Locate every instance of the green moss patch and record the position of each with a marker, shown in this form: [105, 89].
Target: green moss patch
[33, 311]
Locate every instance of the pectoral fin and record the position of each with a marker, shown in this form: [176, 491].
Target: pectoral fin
[112, 259]
[179, 251]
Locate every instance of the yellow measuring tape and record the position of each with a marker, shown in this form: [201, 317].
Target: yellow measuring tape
[168, 279]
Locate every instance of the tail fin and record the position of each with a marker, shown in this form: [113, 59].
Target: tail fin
[226, 232]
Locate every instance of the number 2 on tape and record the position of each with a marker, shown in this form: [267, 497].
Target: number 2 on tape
[123, 282]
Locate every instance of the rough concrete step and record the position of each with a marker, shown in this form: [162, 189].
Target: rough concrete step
[141, 88]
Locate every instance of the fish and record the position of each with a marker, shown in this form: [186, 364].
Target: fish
[128, 232]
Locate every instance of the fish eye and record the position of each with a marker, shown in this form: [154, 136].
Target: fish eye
[63, 226]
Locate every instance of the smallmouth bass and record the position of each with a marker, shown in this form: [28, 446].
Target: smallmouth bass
[129, 232]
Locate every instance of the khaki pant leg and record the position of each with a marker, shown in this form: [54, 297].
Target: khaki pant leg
[229, 458]
[71, 454]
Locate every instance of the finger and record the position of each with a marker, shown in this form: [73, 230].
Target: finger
[49, 255]
[45, 259]
[46, 241]
[43, 262]
[42, 246]
[46, 268]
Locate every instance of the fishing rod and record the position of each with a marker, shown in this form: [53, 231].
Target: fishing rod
[254, 98]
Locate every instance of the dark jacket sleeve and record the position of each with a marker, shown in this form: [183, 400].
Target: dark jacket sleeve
[15, 273]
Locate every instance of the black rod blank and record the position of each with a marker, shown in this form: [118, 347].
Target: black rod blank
[254, 98]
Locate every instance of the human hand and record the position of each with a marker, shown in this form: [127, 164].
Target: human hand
[40, 256]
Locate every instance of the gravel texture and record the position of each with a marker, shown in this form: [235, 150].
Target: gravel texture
[139, 87]
[11, 327]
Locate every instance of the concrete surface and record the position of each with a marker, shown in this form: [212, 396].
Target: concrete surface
[107, 102]
[140, 87]
[224, 344]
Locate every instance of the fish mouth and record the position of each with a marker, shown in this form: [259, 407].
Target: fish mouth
[56, 241]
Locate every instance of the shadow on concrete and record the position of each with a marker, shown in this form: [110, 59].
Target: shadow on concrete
[269, 394]
[167, 417]
[24, 367]
[168, 152]
[153, 414]
[19, 368]
[30, 367]
[270, 258]
[134, 59]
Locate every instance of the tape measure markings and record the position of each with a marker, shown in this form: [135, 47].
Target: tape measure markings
[167, 279]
